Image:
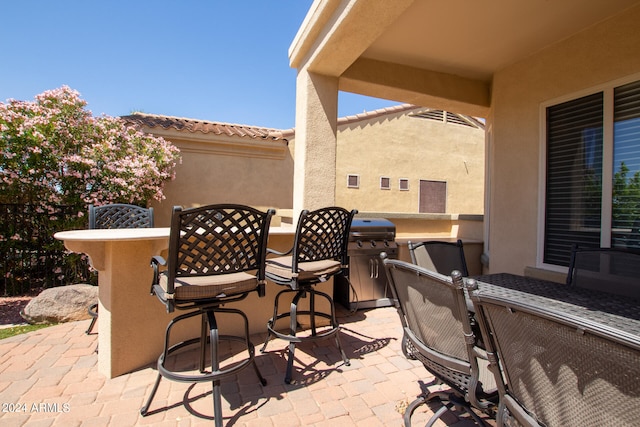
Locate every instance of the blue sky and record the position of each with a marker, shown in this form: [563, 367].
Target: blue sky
[215, 60]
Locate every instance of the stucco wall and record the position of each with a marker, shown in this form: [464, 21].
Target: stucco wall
[254, 173]
[399, 146]
[601, 54]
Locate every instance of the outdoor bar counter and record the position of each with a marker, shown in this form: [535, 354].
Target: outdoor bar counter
[132, 322]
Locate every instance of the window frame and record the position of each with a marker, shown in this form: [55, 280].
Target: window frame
[607, 90]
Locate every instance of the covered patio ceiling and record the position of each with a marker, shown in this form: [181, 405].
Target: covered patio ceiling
[440, 54]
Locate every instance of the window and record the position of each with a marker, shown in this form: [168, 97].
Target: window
[403, 184]
[433, 197]
[353, 181]
[385, 183]
[593, 172]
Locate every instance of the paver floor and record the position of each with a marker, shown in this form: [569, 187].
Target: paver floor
[49, 377]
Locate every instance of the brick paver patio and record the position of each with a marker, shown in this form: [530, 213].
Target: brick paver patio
[49, 378]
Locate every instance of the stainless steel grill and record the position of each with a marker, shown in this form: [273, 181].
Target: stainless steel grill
[369, 237]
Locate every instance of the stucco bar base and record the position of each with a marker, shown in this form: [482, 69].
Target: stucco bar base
[132, 323]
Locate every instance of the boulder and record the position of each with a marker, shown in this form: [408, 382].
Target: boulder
[61, 304]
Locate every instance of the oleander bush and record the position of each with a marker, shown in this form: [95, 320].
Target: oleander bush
[54, 154]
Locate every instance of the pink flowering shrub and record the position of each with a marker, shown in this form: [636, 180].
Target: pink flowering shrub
[54, 152]
[55, 155]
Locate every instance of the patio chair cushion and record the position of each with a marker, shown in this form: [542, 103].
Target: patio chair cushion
[281, 267]
[207, 287]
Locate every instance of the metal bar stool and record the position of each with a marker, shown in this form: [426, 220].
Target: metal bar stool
[116, 215]
[216, 256]
[319, 252]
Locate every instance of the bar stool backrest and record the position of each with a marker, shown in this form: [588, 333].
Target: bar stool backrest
[217, 239]
[321, 235]
[120, 215]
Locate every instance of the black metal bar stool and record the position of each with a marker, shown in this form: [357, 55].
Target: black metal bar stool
[319, 252]
[116, 215]
[216, 256]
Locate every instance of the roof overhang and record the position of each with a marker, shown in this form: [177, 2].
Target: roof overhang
[440, 54]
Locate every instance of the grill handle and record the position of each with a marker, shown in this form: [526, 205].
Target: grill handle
[371, 235]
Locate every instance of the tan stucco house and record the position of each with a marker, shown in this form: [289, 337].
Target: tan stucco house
[402, 159]
[529, 68]
[409, 159]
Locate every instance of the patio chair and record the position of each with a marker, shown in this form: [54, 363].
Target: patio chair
[554, 369]
[612, 270]
[436, 323]
[318, 253]
[118, 215]
[216, 257]
[441, 257]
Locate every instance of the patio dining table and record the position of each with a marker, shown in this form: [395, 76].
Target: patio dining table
[603, 312]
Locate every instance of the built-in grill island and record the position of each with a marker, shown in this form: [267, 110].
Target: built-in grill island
[368, 238]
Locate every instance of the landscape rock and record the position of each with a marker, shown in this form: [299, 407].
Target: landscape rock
[61, 304]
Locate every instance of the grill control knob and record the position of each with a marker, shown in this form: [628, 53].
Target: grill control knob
[386, 243]
[373, 244]
[359, 243]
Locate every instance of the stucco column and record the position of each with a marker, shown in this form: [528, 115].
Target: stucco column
[314, 179]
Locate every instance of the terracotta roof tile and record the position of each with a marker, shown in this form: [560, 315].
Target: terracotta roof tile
[217, 128]
[203, 126]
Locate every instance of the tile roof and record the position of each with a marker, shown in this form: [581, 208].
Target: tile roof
[203, 126]
[218, 128]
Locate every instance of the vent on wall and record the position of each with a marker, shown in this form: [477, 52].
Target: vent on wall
[447, 117]
[353, 181]
[385, 183]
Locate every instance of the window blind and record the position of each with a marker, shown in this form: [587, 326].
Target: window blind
[573, 177]
[626, 166]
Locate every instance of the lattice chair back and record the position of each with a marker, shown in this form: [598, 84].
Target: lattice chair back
[120, 215]
[437, 329]
[322, 234]
[612, 270]
[441, 257]
[216, 240]
[556, 371]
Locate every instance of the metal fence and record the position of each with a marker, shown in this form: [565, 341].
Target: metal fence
[30, 257]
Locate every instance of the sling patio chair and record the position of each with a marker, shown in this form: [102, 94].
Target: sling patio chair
[553, 367]
[441, 257]
[437, 330]
[612, 270]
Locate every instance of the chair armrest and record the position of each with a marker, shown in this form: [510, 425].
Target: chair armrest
[156, 262]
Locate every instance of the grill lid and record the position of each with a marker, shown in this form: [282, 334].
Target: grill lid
[372, 228]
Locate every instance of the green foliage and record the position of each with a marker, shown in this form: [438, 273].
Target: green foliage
[55, 155]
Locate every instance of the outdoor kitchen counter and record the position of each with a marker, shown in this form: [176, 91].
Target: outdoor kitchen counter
[131, 322]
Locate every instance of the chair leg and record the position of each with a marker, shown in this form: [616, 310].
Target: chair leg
[293, 327]
[334, 324]
[209, 323]
[271, 323]
[215, 366]
[203, 342]
[93, 312]
[145, 409]
[448, 400]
